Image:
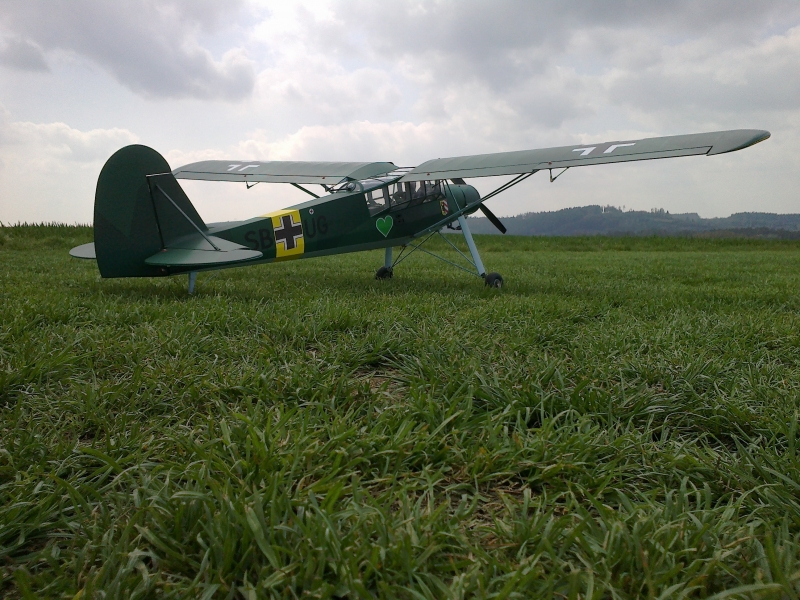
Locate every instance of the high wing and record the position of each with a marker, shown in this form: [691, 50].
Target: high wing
[479, 165]
[251, 171]
[529, 161]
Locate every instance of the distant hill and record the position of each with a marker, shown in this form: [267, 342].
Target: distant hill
[609, 220]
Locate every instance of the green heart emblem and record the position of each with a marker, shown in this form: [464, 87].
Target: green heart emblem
[384, 224]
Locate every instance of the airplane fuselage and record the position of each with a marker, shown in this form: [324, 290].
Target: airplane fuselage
[350, 221]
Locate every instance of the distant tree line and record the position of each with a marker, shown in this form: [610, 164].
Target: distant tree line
[610, 220]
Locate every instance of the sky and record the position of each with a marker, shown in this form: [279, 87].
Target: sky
[401, 81]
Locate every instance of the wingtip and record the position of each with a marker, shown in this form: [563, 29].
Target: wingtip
[760, 136]
[731, 141]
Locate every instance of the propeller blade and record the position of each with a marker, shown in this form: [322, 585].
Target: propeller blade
[493, 219]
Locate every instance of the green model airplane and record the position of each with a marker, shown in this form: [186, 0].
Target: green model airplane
[145, 225]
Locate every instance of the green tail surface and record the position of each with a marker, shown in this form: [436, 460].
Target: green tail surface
[145, 225]
[130, 222]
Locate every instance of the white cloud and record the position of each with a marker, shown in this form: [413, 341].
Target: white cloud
[153, 48]
[49, 170]
[332, 93]
[22, 54]
[57, 144]
[713, 85]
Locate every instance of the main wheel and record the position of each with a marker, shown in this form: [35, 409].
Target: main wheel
[493, 280]
[384, 273]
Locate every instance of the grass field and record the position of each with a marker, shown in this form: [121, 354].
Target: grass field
[620, 421]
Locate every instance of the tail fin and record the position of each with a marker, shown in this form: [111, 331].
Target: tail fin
[131, 220]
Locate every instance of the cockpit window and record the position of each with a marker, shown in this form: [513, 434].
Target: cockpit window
[368, 184]
[377, 200]
[433, 191]
[417, 189]
[398, 194]
[414, 192]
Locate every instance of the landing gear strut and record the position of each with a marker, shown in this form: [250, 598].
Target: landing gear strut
[192, 279]
[473, 249]
[386, 271]
[493, 280]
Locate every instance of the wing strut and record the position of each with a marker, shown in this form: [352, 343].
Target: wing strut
[309, 192]
[485, 210]
[505, 186]
[180, 210]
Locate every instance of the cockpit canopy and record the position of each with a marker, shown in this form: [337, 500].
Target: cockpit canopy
[387, 192]
[364, 185]
[399, 195]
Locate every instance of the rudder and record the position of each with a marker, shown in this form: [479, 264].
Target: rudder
[137, 213]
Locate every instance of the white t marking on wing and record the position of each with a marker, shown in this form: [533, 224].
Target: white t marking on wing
[232, 167]
[613, 147]
[584, 151]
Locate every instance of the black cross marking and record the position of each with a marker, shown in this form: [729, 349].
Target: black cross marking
[288, 232]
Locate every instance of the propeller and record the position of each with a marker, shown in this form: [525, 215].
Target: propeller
[493, 219]
[489, 214]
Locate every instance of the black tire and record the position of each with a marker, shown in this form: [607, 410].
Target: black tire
[384, 273]
[493, 280]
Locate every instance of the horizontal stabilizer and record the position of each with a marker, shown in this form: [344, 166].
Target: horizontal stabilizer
[277, 171]
[85, 251]
[200, 251]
